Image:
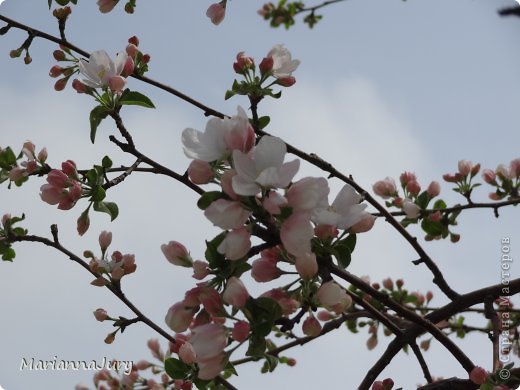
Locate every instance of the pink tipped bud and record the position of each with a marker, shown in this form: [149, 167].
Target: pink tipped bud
[110, 338]
[288, 81]
[128, 69]
[429, 296]
[42, 156]
[454, 237]
[216, 12]
[399, 283]
[385, 188]
[146, 58]
[117, 83]
[436, 216]
[200, 269]
[465, 167]
[388, 384]
[56, 71]
[413, 187]
[105, 239]
[200, 172]
[243, 63]
[266, 65]
[291, 362]
[407, 177]
[388, 284]
[59, 55]
[177, 254]
[187, 353]
[324, 315]
[133, 40]
[101, 315]
[235, 293]
[78, 86]
[15, 53]
[83, 224]
[129, 9]
[27, 60]
[60, 84]
[240, 331]
[475, 169]
[132, 50]
[311, 326]
[489, 176]
[434, 189]
[478, 375]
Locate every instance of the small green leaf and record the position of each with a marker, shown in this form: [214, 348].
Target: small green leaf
[433, 228]
[109, 208]
[7, 158]
[98, 194]
[229, 94]
[423, 200]
[175, 368]
[8, 254]
[133, 98]
[92, 177]
[106, 162]
[263, 122]
[50, 3]
[208, 198]
[257, 346]
[96, 117]
[439, 204]
[214, 258]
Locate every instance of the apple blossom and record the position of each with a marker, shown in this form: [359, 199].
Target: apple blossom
[489, 176]
[296, 234]
[236, 244]
[226, 182]
[263, 168]
[243, 63]
[364, 225]
[273, 203]
[308, 194]
[99, 70]
[413, 187]
[208, 342]
[187, 353]
[227, 214]
[216, 12]
[283, 64]
[235, 293]
[434, 189]
[105, 239]
[200, 269]
[345, 211]
[220, 137]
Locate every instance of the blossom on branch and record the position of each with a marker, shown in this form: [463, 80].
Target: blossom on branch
[100, 71]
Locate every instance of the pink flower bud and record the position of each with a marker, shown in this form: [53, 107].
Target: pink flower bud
[372, 342]
[311, 326]
[377, 385]
[177, 254]
[243, 63]
[16, 173]
[429, 296]
[266, 65]
[132, 50]
[413, 187]
[451, 178]
[465, 167]
[78, 86]
[436, 216]
[106, 6]
[128, 69]
[60, 84]
[146, 58]
[155, 349]
[117, 83]
[83, 224]
[240, 331]
[5, 218]
[514, 168]
[324, 315]
[454, 237]
[216, 12]
[134, 40]
[42, 156]
[306, 265]
[287, 81]
[388, 384]
[59, 55]
[200, 269]
[478, 375]
[200, 172]
[489, 176]
[475, 169]
[434, 189]
[101, 315]
[187, 353]
[110, 338]
[388, 284]
[27, 60]
[326, 232]
[235, 293]
[399, 283]
[105, 239]
[331, 296]
[69, 168]
[265, 270]
[364, 225]
[236, 245]
[407, 177]
[385, 188]
[56, 71]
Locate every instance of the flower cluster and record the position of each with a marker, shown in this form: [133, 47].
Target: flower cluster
[506, 179]
[278, 64]
[115, 268]
[33, 163]
[463, 178]
[63, 187]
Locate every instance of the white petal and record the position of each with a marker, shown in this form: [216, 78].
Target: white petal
[269, 152]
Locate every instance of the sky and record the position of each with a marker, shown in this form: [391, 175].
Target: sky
[384, 86]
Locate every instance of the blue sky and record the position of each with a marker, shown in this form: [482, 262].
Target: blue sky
[383, 86]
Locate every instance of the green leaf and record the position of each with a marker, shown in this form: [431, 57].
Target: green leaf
[98, 194]
[96, 117]
[263, 121]
[432, 228]
[109, 208]
[271, 361]
[342, 250]
[175, 368]
[92, 177]
[214, 258]
[439, 204]
[423, 200]
[133, 98]
[106, 162]
[7, 158]
[229, 94]
[208, 198]
[257, 346]
[8, 254]
[50, 3]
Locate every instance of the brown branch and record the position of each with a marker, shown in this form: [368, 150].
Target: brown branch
[316, 7]
[116, 180]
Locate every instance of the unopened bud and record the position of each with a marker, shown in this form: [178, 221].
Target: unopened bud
[15, 53]
[59, 55]
[27, 59]
[133, 40]
[110, 338]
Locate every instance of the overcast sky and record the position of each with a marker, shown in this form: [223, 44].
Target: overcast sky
[383, 86]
